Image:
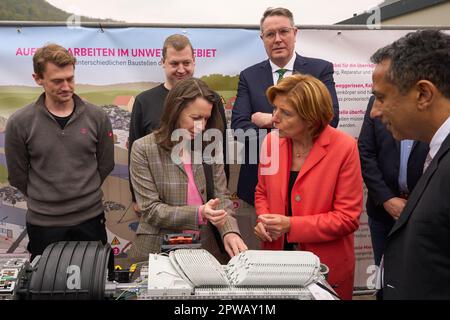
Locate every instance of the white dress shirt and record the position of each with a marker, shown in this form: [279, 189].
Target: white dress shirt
[289, 67]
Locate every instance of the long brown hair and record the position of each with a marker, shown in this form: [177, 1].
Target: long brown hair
[182, 93]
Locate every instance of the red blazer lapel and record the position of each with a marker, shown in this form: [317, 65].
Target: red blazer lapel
[318, 151]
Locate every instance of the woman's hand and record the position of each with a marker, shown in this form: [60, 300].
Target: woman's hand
[233, 244]
[261, 232]
[275, 225]
[216, 217]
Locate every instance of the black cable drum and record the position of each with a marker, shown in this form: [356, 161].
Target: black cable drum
[71, 270]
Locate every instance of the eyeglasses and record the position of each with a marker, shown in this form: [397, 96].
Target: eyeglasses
[271, 34]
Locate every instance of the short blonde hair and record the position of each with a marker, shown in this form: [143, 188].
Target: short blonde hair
[310, 98]
[178, 42]
[53, 53]
[281, 12]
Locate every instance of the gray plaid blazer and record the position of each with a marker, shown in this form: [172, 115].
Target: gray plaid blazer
[160, 186]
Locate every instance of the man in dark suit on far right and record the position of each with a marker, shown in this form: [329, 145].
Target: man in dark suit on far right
[412, 88]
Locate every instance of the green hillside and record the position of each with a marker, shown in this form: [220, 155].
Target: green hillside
[3, 174]
[35, 10]
[14, 97]
[105, 97]
[221, 82]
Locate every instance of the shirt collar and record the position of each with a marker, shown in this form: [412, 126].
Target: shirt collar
[289, 66]
[439, 137]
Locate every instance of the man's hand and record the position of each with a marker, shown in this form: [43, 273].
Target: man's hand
[233, 244]
[216, 217]
[262, 119]
[394, 207]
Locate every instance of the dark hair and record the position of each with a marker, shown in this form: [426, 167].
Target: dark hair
[420, 55]
[182, 93]
[53, 53]
[277, 12]
[309, 97]
[178, 42]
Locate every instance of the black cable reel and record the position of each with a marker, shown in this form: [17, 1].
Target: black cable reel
[69, 270]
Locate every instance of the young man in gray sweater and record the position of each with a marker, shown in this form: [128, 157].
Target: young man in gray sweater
[59, 150]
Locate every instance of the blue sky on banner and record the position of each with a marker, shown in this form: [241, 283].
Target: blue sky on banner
[214, 11]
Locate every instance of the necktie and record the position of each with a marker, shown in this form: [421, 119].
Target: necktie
[427, 162]
[281, 73]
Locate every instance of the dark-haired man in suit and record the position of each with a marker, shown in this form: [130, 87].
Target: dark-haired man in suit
[412, 90]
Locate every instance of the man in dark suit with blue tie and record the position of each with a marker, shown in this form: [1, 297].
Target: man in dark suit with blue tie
[390, 169]
[412, 88]
[251, 110]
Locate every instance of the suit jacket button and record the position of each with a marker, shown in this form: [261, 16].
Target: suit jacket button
[297, 198]
[202, 191]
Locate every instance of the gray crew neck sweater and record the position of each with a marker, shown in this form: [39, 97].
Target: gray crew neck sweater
[60, 171]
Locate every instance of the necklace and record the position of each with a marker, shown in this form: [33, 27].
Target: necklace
[301, 154]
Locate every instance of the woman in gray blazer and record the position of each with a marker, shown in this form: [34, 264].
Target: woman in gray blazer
[169, 181]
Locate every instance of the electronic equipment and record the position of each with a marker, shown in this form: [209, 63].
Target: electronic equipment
[173, 241]
[12, 268]
[79, 270]
[253, 274]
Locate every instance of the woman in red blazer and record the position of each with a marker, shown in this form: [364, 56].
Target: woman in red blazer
[309, 194]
